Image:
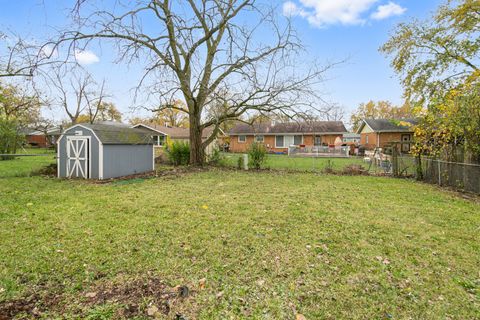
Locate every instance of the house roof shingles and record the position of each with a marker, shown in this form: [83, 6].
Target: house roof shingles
[390, 125]
[174, 132]
[290, 127]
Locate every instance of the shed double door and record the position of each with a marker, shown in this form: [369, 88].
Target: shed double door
[78, 157]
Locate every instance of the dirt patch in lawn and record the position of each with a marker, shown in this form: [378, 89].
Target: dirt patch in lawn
[135, 297]
[168, 173]
[32, 304]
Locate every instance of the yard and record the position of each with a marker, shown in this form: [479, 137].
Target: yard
[284, 162]
[26, 165]
[226, 245]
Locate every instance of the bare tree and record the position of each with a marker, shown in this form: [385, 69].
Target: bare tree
[94, 101]
[75, 91]
[75, 88]
[21, 58]
[334, 112]
[197, 49]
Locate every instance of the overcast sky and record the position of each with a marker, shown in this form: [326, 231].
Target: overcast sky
[331, 29]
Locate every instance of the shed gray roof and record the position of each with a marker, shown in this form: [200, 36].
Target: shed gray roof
[114, 134]
[290, 127]
[389, 125]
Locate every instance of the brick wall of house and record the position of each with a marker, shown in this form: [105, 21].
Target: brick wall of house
[387, 137]
[372, 140]
[384, 139]
[38, 140]
[269, 142]
[330, 139]
[236, 146]
[308, 140]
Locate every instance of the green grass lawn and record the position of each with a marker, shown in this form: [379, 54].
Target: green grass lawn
[25, 165]
[247, 245]
[275, 161]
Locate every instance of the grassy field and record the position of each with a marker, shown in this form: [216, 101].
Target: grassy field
[25, 166]
[275, 161]
[231, 245]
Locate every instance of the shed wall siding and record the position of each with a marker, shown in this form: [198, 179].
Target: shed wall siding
[124, 160]
[62, 152]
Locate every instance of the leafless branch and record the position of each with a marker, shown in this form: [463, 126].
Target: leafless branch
[204, 49]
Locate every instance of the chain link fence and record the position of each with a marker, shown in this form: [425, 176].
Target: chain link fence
[457, 175]
[460, 176]
[338, 161]
[319, 151]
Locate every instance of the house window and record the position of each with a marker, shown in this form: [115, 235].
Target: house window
[259, 139]
[366, 139]
[318, 141]
[161, 140]
[406, 146]
[297, 140]
[242, 139]
[285, 141]
[279, 142]
[158, 140]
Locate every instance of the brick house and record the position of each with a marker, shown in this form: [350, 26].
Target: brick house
[41, 139]
[277, 137]
[379, 133]
[160, 133]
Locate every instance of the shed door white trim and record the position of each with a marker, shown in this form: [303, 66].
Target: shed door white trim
[78, 157]
[100, 160]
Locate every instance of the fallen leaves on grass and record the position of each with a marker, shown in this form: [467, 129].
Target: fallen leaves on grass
[152, 311]
[260, 282]
[201, 283]
[385, 261]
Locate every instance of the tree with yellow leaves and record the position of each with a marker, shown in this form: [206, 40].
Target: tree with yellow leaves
[438, 61]
[171, 115]
[379, 110]
[167, 115]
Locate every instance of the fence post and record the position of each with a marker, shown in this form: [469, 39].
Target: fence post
[395, 161]
[439, 173]
[245, 161]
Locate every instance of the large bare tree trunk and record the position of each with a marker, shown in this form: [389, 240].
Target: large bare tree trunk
[197, 153]
[205, 51]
